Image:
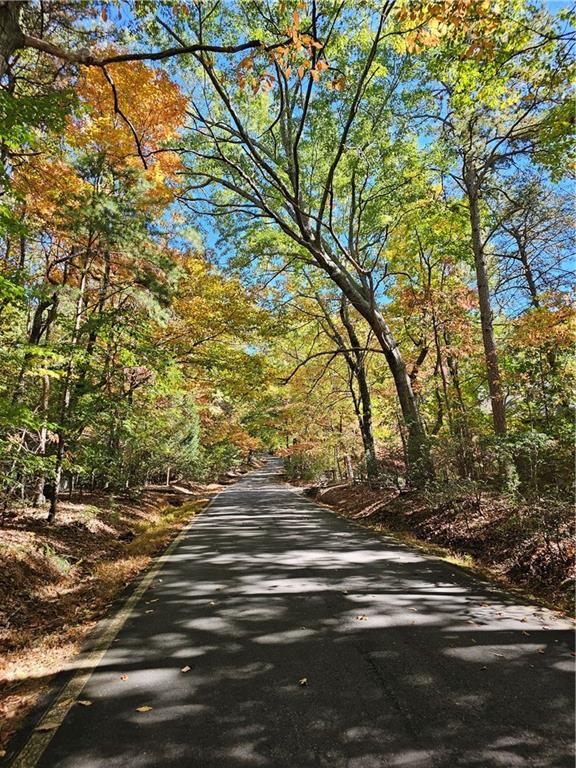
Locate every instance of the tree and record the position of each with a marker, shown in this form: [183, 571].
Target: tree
[533, 240]
[496, 99]
[339, 328]
[288, 160]
[382, 186]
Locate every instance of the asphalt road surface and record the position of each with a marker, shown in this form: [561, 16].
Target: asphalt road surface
[405, 660]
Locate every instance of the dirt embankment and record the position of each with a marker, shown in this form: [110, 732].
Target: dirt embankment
[528, 546]
[57, 580]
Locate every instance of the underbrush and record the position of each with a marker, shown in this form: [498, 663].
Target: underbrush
[305, 467]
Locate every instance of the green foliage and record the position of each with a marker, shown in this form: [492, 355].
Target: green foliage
[306, 467]
[126, 353]
[24, 118]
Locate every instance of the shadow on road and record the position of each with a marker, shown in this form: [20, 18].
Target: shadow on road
[409, 661]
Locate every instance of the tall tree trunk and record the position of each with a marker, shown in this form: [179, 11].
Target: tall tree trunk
[420, 468]
[81, 385]
[440, 369]
[39, 325]
[534, 297]
[365, 422]
[365, 411]
[418, 458]
[349, 467]
[42, 442]
[67, 392]
[11, 37]
[355, 359]
[486, 317]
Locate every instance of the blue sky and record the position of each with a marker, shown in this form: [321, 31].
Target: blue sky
[204, 224]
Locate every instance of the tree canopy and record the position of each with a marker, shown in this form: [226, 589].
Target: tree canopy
[339, 230]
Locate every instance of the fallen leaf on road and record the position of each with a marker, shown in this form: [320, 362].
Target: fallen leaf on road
[362, 617]
[84, 703]
[143, 709]
[186, 668]
[303, 682]
[123, 677]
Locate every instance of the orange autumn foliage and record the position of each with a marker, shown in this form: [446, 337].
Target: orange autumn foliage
[47, 185]
[152, 103]
[552, 324]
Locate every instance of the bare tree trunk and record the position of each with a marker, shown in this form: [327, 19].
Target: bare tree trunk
[355, 359]
[534, 297]
[43, 441]
[440, 369]
[365, 413]
[11, 37]
[420, 468]
[39, 325]
[81, 385]
[67, 392]
[365, 421]
[486, 317]
[349, 467]
[418, 458]
[337, 463]
[531, 283]
[465, 458]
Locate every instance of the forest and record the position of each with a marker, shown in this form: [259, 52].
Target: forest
[336, 231]
[339, 230]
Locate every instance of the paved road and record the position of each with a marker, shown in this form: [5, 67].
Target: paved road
[409, 661]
